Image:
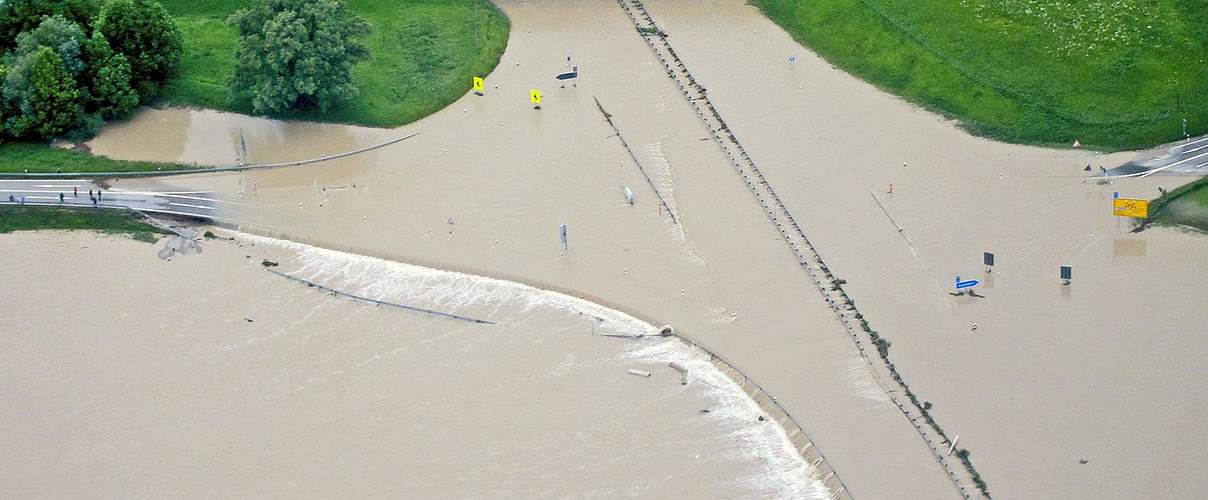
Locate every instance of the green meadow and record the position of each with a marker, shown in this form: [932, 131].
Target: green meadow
[1113, 74]
[422, 55]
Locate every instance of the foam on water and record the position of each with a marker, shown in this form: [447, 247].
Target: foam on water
[784, 474]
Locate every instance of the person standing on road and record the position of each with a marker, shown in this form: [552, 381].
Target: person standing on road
[60, 197]
[75, 191]
[98, 194]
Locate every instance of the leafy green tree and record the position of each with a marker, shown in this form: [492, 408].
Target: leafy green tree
[296, 54]
[143, 32]
[112, 95]
[5, 107]
[50, 105]
[61, 35]
[107, 76]
[17, 16]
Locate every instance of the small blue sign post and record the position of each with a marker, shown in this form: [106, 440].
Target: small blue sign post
[563, 227]
[961, 285]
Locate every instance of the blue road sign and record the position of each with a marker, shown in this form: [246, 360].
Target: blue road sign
[965, 284]
[1066, 273]
[1115, 194]
[564, 236]
[988, 258]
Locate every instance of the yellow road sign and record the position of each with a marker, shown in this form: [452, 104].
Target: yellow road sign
[478, 84]
[535, 96]
[1130, 207]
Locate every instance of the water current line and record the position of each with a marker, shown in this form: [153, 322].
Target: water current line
[379, 302]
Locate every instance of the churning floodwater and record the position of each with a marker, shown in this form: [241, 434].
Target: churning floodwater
[209, 376]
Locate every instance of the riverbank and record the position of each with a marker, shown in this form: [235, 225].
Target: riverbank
[422, 56]
[24, 157]
[1108, 76]
[30, 218]
[1184, 206]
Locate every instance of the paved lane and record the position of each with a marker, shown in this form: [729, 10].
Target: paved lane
[1188, 157]
[75, 193]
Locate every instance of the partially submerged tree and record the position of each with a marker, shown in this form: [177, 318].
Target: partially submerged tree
[296, 54]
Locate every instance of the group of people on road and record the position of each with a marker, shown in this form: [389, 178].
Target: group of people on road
[75, 193]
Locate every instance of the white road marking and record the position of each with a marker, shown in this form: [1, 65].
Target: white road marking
[191, 206]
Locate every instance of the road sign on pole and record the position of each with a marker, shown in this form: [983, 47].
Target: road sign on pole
[563, 230]
[1130, 207]
[1067, 273]
[988, 259]
[479, 85]
[961, 285]
[535, 98]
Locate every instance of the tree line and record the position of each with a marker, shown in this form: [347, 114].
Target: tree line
[68, 65]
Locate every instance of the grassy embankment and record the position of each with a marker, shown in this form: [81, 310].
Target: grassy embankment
[1183, 206]
[422, 55]
[27, 218]
[1114, 75]
[25, 157]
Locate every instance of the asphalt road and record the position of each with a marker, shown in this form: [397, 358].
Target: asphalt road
[200, 204]
[1189, 157]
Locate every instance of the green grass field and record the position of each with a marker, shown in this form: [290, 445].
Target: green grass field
[19, 157]
[14, 218]
[1183, 206]
[1114, 74]
[422, 55]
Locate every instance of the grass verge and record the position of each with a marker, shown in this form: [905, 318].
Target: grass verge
[422, 55]
[14, 218]
[20, 157]
[1186, 205]
[1114, 75]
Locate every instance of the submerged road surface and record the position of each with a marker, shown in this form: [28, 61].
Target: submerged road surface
[80, 193]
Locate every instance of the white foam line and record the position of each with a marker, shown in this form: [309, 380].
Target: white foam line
[785, 473]
[191, 206]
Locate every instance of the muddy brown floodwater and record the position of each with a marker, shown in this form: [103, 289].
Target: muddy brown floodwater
[1083, 390]
[129, 376]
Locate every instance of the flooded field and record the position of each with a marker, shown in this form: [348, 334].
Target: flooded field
[1061, 390]
[140, 377]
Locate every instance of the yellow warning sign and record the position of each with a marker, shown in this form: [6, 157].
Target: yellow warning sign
[535, 96]
[1130, 207]
[478, 84]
